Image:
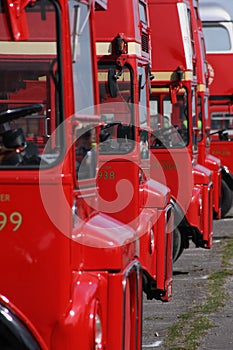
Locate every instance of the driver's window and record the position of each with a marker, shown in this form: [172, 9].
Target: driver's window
[117, 110]
[30, 92]
[85, 153]
[142, 92]
[82, 56]
[115, 84]
[199, 116]
[170, 127]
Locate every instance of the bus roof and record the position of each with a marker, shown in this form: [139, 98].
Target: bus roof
[216, 10]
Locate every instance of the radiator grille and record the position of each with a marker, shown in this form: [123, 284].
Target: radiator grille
[145, 42]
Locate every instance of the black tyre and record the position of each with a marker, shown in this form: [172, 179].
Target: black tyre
[177, 244]
[226, 202]
[14, 334]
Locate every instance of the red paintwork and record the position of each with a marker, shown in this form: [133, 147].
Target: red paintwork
[174, 56]
[221, 78]
[168, 55]
[221, 86]
[144, 202]
[119, 23]
[224, 151]
[220, 89]
[204, 156]
[57, 274]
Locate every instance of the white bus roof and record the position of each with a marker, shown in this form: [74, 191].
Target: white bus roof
[216, 10]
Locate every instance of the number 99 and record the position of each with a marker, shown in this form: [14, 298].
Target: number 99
[15, 218]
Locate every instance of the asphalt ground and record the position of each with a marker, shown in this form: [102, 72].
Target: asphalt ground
[190, 292]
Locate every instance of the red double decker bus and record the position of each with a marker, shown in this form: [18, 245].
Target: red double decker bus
[173, 111]
[70, 275]
[217, 21]
[128, 192]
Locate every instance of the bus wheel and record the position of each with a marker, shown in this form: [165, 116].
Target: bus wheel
[177, 244]
[226, 202]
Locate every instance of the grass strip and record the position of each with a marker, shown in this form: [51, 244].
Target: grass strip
[193, 325]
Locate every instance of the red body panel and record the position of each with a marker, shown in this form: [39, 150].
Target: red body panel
[221, 88]
[127, 192]
[63, 262]
[166, 57]
[119, 24]
[224, 151]
[204, 157]
[175, 73]
[220, 77]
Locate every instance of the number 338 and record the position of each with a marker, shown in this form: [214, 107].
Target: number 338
[15, 218]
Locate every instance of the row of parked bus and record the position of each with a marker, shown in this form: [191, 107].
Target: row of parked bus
[106, 168]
